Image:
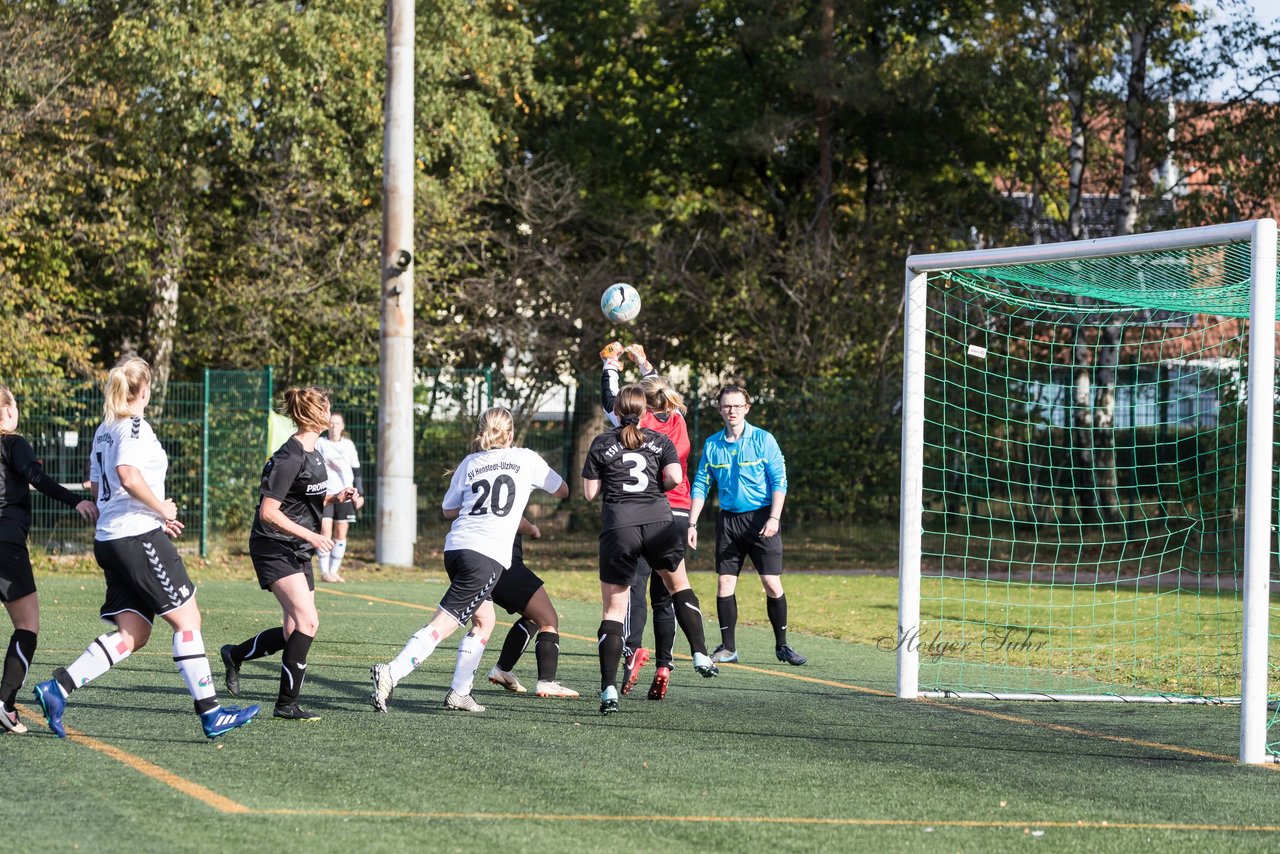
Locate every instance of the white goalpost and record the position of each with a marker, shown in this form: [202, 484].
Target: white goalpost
[1087, 493]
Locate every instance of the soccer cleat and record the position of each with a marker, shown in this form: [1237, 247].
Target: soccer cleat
[53, 704]
[223, 719]
[293, 712]
[383, 687]
[232, 679]
[461, 702]
[705, 665]
[545, 688]
[724, 655]
[790, 656]
[10, 723]
[609, 701]
[635, 662]
[662, 678]
[507, 680]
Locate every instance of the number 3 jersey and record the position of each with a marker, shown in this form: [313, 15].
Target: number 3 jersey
[490, 490]
[631, 480]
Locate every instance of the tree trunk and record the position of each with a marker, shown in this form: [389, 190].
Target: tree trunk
[1082, 462]
[822, 218]
[1104, 410]
[166, 288]
[1077, 92]
[1134, 126]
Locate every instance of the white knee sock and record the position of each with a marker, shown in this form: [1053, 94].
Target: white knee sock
[193, 664]
[470, 649]
[416, 651]
[335, 557]
[104, 653]
[323, 558]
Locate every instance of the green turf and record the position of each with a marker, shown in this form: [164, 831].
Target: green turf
[757, 759]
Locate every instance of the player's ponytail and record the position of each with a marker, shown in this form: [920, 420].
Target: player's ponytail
[308, 407]
[660, 397]
[630, 409]
[124, 384]
[6, 399]
[495, 430]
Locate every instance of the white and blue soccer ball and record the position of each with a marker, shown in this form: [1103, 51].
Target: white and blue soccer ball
[620, 303]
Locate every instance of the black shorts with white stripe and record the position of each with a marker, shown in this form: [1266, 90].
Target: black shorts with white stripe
[472, 577]
[144, 574]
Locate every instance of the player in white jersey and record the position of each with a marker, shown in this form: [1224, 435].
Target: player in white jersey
[144, 574]
[343, 462]
[486, 500]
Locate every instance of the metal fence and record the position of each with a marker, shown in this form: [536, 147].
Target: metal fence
[841, 452]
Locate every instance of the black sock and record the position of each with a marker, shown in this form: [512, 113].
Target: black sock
[610, 647]
[266, 642]
[664, 623]
[17, 661]
[689, 616]
[293, 667]
[637, 616]
[547, 649]
[516, 643]
[777, 609]
[727, 611]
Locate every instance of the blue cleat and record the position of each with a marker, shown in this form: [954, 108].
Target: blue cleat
[787, 655]
[53, 704]
[609, 701]
[723, 655]
[222, 720]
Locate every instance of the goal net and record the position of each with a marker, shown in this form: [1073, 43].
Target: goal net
[1087, 488]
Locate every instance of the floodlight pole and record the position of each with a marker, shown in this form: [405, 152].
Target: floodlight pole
[397, 495]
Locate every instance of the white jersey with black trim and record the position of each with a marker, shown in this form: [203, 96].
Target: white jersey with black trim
[335, 462]
[348, 450]
[126, 442]
[490, 490]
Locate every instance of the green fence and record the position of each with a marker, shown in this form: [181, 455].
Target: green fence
[841, 454]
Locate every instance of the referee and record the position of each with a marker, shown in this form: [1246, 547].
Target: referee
[749, 470]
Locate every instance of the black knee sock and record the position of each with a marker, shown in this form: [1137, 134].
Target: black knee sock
[293, 667]
[610, 647]
[516, 643]
[266, 642]
[727, 611]
[637, 616]
[777, 609]
[689, 616]
[17, 661]
[547, 649]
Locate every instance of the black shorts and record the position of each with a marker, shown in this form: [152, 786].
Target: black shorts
[16, 578]
[621, 549]
[144, 574]
[679, 523]
[738, 537]
[516, 587]
[343, 511]
[274, 560]
[472, 577]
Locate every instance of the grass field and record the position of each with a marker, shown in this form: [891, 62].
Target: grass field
[765, 757]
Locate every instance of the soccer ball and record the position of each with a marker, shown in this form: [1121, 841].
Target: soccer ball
[620, 303]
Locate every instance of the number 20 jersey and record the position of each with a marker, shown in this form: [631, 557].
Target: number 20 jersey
[490, 490]
[631, 479]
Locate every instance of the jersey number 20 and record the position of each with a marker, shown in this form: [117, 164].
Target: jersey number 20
[500, 496]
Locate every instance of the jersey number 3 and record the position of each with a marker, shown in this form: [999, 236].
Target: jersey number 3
[499, 496]
[639, 481]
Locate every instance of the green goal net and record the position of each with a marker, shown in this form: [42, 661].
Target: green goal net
[1082, 442]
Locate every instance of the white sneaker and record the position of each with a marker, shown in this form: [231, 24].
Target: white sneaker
[9, 721]
[383, 687]
[553, 689]
[507, 680]
[461, 702]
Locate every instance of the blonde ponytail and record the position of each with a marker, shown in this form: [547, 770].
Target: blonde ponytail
[495, 430]
[124, 384]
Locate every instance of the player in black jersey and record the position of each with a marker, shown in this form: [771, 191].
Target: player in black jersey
[19, 471]
[520, 591]
[632, 467]
[285, 534]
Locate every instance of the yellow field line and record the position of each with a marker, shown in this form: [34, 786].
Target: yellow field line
[862, 689]
[149, 769]
[772, 819]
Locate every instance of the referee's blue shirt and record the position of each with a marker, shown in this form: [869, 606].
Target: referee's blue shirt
[747, 472]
